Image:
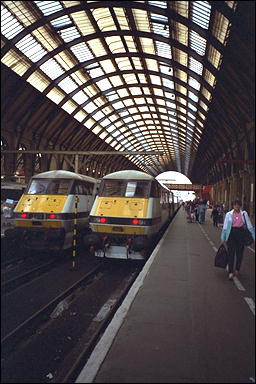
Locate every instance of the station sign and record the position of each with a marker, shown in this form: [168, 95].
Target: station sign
[184, 187]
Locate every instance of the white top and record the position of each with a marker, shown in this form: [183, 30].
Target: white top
[129, 175]
[61, 174]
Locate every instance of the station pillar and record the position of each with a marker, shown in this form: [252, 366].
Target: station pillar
[28, 166]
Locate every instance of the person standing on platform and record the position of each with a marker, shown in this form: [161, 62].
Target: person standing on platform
[215, 215]
[202, 210]
[232, 236]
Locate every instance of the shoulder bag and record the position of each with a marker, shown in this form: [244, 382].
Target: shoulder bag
[221, 258]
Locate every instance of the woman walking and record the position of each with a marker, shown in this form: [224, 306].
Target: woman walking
[232, 235]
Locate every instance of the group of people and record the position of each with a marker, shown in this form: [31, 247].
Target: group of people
[195, 210]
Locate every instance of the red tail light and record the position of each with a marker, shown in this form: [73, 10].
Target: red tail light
[135, 221]
[24, 215]
[52, 216]
[103, 220]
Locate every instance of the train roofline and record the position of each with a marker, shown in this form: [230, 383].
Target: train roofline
[60, 174]
[129, 175]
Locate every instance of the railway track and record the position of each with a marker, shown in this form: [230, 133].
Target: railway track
[29, 326]
[17, 281]
[107, 281]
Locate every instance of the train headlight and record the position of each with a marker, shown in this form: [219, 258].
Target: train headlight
[138, 222]
[52, 216]
[94, 219]
[24, 215]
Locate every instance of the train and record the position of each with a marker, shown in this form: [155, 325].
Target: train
[44, 215]
[127, 215]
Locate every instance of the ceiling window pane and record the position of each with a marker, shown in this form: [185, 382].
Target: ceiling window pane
[163, 49]
[168, 83]
[68, 85]
[107, 66]
[121, 18]
[209, 77]
[48, 7]
[69, 34]
[38, 81]
[83, 22]
[141, 20]
[63, 21]
[161, 29]
[104, 84]
[201, 12]
[147, 45]
[115, 44]
[97, 47]
[80, 116]
[80, 97]
[90, 107]
[82, 52]
[10, 26]
[52, 69]
[69, 106]
[197, 43]
[192, 96]
[56, 95]
[195, 66]
[31, 48]
[214, 57]
[179, 32]
[220, 27]
[17, 64]
[104, 19]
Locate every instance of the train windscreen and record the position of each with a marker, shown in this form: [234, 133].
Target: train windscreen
[124, 188]
[49, 187]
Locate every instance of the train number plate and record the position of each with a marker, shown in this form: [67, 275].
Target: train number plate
[117, 229]
[36, 223]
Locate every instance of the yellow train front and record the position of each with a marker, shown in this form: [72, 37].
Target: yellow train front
[127, 215]
[44, 215]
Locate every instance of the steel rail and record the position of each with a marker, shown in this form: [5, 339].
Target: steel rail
[29, 326]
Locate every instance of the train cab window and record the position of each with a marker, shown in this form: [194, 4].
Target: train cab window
[48, 187]
[137, 189]
[37, 187]
[58, 187]
[124, 188]
[78, 189]
[88, 188]
[112, 188]
[82, 188]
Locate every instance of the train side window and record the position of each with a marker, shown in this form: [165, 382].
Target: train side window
[154, 189]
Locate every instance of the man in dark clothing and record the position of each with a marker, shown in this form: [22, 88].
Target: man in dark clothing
[214, 216]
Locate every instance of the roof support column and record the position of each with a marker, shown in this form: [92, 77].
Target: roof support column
[28, 166]
[76, 163]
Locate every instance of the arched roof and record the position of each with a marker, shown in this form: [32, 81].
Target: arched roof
[140, 75]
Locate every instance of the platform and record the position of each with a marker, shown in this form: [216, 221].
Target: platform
[183, 321]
